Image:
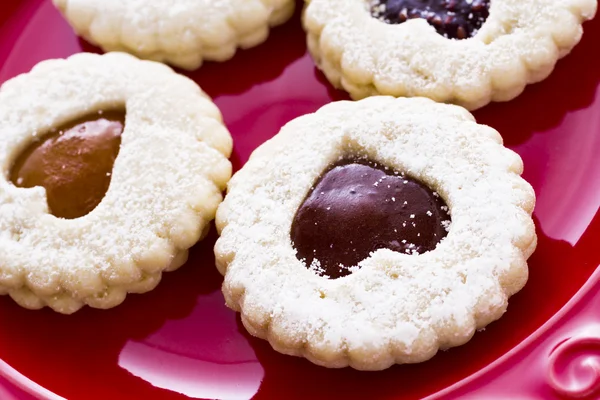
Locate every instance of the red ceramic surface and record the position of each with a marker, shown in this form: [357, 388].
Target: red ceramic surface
[180, 341]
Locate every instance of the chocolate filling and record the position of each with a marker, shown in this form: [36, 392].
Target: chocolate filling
[358, 206]
[454, 19]
[73, 163]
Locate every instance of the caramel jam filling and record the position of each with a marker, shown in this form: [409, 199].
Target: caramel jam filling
[73, 163]
[358, 206]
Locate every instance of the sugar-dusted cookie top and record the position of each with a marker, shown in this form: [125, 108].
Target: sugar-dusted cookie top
[112, 168]
[182, 33]
[467, 52]
[375, 232]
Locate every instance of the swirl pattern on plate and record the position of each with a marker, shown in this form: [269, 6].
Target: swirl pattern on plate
[574, 367]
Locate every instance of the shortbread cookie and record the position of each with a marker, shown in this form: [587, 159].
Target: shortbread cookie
[182, 33]
[375, 232]
[76, 229]
[467, 52]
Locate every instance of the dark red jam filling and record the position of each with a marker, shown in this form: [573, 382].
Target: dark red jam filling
[454, 19]
[358, 206]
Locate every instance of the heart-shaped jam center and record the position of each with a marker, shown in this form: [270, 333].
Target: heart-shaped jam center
[454, 19]
[73, 163]
[358, 206]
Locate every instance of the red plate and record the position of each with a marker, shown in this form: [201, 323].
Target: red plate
[180, 341]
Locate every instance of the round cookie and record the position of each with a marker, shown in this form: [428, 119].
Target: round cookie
[182, 33]
[356, 173]
[460, 51]
[76, 229]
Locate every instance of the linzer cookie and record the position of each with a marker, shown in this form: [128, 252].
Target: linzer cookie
[467, 52]
[113, 169]
[375, 232]
[182, 33]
